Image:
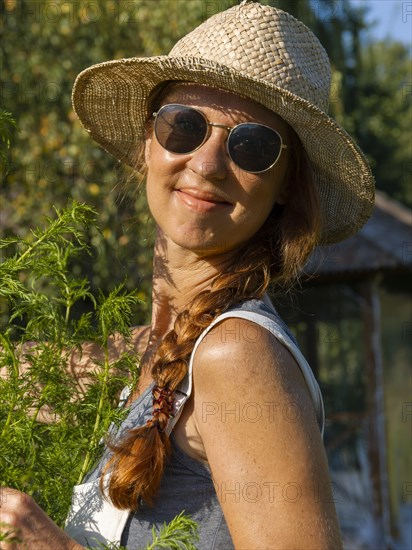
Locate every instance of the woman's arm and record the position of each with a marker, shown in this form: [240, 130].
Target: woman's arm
[82, 362]
[255, 416]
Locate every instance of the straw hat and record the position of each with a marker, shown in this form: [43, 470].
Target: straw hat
[261, 53]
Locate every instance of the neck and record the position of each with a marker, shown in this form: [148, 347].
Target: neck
[179, 275]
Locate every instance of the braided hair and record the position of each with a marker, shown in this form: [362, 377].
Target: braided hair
[276, 254]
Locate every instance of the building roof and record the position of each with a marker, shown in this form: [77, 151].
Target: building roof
[383, 244]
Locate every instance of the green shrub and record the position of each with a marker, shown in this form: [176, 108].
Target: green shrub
[47, 458]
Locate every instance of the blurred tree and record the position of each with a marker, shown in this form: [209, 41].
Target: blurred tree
[45, 44]
[371, 88]
[381, 117]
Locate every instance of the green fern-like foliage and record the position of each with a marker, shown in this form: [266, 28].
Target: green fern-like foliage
[179, 534]
[51, 426]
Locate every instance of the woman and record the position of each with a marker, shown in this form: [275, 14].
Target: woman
[245, 175]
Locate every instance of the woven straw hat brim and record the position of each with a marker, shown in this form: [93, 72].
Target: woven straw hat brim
[111, 100]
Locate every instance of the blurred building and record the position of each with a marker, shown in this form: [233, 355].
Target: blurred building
[353, 319]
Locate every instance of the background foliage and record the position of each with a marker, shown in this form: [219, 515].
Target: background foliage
[45, 44]
[44, 458]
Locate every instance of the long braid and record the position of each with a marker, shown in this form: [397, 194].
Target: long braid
[277, 252]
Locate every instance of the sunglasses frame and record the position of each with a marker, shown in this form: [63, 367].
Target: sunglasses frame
[230, 129]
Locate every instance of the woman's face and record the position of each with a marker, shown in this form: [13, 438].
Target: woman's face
[202, 201]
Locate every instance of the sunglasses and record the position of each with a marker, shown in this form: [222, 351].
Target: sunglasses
[252, 147]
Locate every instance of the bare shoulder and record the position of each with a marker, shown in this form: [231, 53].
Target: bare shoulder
[256, 421]
[247, 384]
[140, 337]
[81, 361]
[137, 343]
[238, 351]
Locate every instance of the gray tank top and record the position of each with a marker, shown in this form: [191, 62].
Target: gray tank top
[187, 484]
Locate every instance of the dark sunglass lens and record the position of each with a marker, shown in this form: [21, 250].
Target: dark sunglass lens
[180, 129]
[254, 147]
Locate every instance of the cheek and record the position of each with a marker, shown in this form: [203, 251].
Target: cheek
[158, 161]
[274, 184]
[259, 195]
[262, 191]
[163, 173]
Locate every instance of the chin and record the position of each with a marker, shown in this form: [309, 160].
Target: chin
[205, 249]
[202, 242]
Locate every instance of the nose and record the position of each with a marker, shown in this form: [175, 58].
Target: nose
[210, 160]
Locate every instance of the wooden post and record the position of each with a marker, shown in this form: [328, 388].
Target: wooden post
[376, 439]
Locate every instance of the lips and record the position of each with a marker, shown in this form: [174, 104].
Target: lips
[201, 194]
[200, 200]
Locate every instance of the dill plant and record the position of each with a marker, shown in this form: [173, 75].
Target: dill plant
[46, 458]
[179, 534]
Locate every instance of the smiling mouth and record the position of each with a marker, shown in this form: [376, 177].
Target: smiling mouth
[200, 201]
